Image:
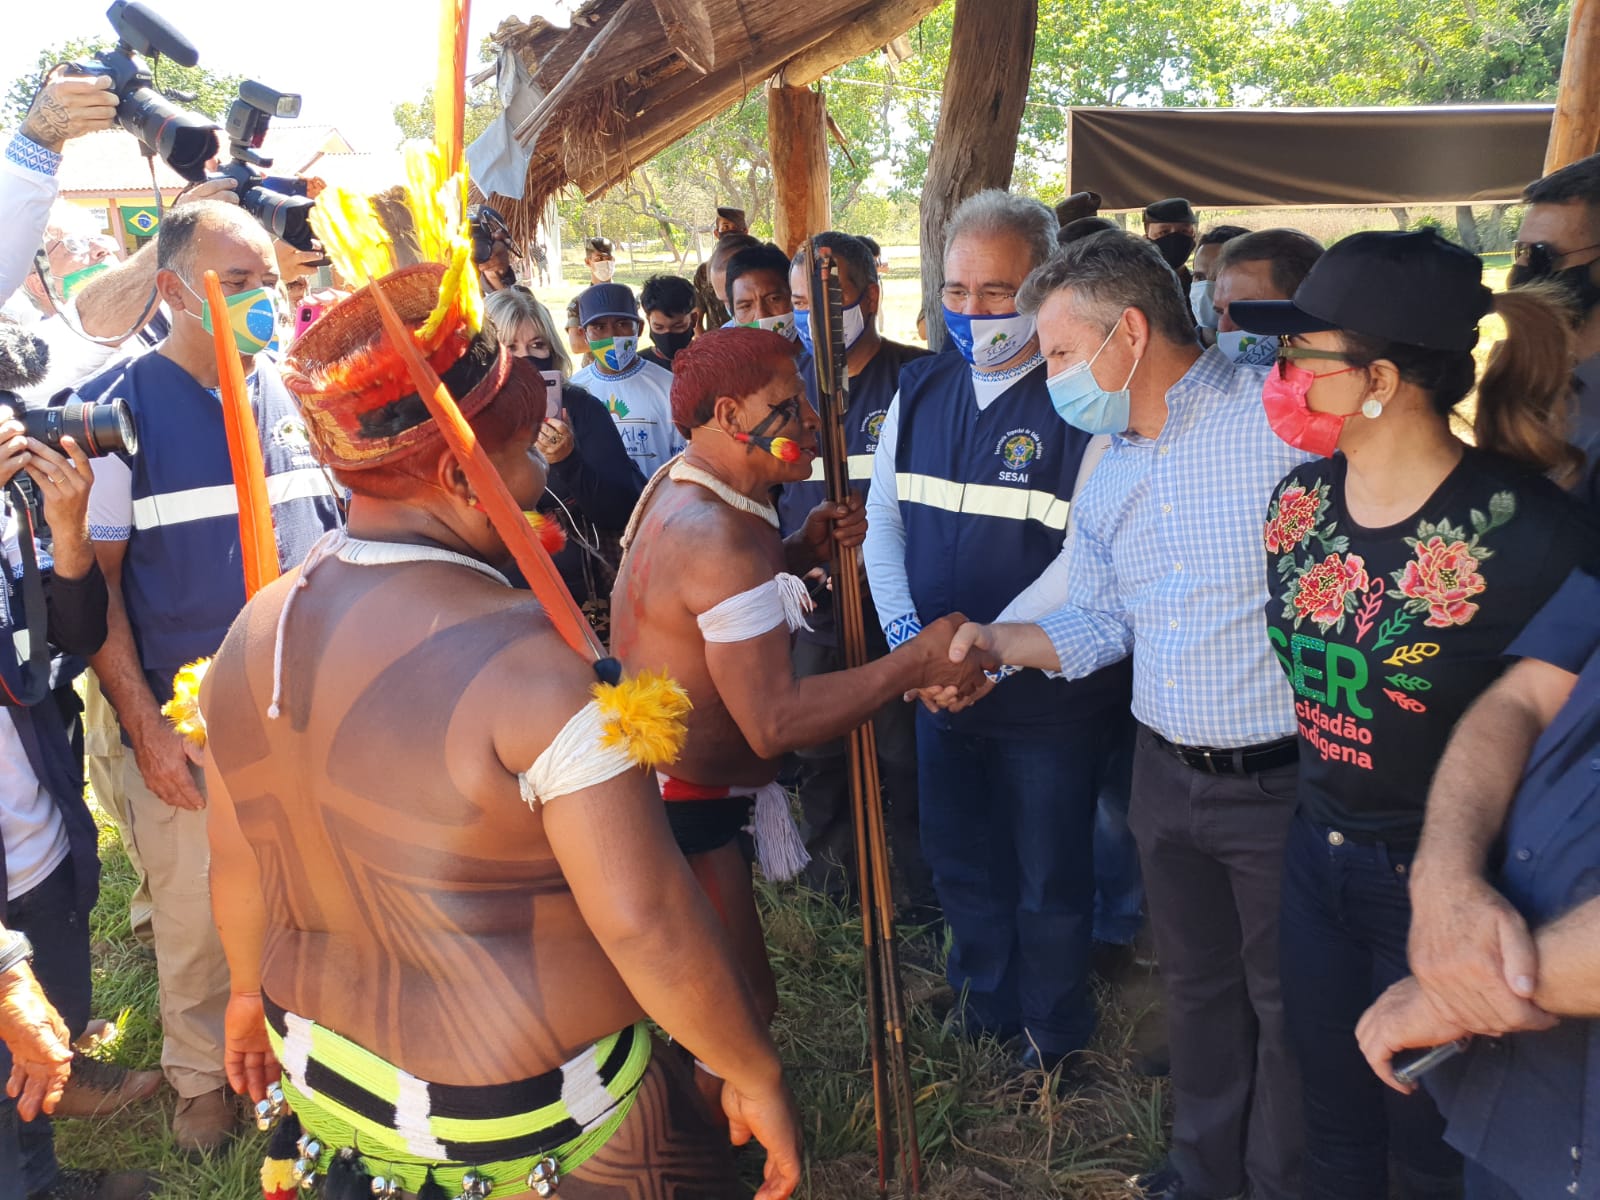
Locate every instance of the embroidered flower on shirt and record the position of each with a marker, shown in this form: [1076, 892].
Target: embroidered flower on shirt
[1442, 579]
[1327, 591]
[1293, 516]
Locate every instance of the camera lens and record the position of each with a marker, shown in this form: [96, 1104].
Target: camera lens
[287, 217]
[186, 141]
[100, 427]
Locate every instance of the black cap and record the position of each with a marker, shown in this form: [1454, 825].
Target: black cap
[736, 215]
[1077, 206]
[599, 245]
[1176, 211]
[1072, 231]
[1413, 288]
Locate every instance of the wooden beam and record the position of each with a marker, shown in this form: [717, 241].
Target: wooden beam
[689, 32]
[1575, 132]
[527, 133]
[876, 26]
[980, 115]
[797, 139]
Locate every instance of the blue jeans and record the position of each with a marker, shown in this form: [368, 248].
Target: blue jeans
[1346, 917]
[49, 915]
[1118, 886]
[1008, 831]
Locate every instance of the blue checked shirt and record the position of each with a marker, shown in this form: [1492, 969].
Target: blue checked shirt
[1166, 561]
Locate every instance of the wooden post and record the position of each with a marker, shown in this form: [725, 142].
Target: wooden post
[1576, 129]
[797, 137]
[980, 115]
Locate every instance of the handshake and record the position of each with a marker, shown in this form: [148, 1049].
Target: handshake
[954, 664]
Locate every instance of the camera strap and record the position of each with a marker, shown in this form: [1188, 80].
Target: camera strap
[24, 683]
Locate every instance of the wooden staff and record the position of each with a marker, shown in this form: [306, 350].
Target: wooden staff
[505, 514]
[257, 539]
[891, 1068]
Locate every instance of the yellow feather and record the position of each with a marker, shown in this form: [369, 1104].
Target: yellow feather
[348, 228]
[277, 1175]
[183, 710]
[645, 715]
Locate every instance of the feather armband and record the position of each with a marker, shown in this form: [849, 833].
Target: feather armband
[183, 710]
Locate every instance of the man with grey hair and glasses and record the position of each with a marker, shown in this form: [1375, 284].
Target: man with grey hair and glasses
[1165, 563]
[972, 483]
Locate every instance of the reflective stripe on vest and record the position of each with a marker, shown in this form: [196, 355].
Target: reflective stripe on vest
[199, 504]
[984, 500]
[860, 469]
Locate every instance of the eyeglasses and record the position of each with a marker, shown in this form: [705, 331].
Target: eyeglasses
[78, 247]
[955, 296]
[1541, 256]
[1293, 354]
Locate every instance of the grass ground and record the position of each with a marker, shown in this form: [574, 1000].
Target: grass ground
[979, 1137]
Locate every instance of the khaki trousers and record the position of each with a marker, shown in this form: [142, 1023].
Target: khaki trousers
[175, 859]
[103, 753]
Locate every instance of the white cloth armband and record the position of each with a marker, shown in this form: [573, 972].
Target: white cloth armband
[575, 760]
[783, 600]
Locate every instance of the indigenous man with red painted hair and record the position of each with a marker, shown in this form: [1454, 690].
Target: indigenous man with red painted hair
[710, 592]
[448, 903]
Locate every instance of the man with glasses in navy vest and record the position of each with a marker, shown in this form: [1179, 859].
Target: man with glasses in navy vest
[165, 528]
[971, 487]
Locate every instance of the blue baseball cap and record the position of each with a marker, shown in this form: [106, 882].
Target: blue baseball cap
[607, 300]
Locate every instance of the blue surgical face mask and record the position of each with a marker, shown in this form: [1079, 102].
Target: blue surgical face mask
[1205, 313]
[988, 341]
[855, 324]
[1084, 404]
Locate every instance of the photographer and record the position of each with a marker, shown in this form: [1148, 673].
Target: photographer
[166, 532]
[49, 861]
[65, 108]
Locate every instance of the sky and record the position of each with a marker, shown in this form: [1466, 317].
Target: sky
[351, 60]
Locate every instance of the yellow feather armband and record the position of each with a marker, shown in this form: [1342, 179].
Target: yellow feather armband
[183, 710]
[644, 716]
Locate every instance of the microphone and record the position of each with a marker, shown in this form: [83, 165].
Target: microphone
[24, 359]
[153, 35]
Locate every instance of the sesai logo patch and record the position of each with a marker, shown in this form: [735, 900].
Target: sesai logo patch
[1019, 449]
[873, 427]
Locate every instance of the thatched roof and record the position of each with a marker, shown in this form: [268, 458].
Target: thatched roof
[630, 77]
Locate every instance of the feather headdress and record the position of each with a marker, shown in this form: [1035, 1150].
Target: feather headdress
[360, 404]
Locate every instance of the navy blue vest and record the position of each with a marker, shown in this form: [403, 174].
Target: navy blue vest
[870, 394]
[183, 577]
[984, 497]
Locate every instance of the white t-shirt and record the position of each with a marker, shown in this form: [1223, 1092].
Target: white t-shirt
[31, 829]
[640, 403]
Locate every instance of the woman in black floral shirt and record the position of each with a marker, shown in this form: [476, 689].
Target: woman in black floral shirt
[1399, 569]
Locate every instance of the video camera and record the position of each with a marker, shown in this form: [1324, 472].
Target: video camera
[187, 141]
[279, 202]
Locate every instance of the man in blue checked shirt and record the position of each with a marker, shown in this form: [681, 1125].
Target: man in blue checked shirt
[1165, 563]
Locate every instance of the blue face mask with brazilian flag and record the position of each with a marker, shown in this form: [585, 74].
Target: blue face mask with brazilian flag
[252, 316]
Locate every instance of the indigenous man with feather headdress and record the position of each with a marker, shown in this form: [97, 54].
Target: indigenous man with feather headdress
[448, 895]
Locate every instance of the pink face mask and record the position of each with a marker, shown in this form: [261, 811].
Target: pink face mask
[1294, 420]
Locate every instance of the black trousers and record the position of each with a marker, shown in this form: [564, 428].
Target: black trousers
[1212, 848]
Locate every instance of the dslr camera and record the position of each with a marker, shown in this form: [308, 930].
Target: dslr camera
[100, 427]
[187, 141]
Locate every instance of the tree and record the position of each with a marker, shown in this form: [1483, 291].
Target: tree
[213, 92]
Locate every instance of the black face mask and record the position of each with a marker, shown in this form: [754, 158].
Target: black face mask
[670, 343]
[545, 362]
[1577, 282]
[1175, 248]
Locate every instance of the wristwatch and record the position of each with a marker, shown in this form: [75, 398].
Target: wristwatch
[15, 948]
